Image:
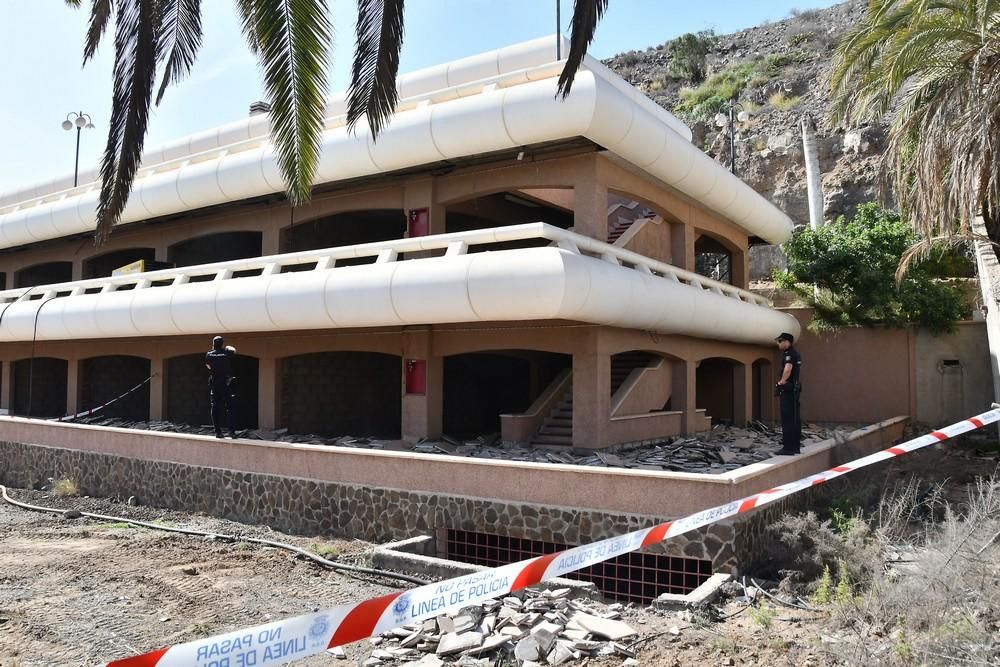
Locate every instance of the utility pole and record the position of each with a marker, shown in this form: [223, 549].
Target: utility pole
[81, 121]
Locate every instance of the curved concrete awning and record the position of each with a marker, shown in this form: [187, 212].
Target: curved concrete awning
[571, 277]
[512, 104]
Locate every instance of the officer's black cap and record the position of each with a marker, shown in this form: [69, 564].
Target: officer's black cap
[785, 336]
[217, 341]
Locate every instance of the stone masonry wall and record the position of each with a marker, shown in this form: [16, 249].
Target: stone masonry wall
[311, 507]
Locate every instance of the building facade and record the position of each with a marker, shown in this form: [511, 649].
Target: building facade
[564, 272]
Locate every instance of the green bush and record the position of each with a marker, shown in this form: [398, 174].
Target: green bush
[853, 264]
[687, 55]
[705, 100]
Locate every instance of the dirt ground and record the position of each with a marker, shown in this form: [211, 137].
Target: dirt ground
[82, 592]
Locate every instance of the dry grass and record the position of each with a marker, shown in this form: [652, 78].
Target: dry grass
[65, 488]
[784, 102]
[917, 581]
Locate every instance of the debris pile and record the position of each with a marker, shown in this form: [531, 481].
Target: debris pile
[533, 628]
[722, 449]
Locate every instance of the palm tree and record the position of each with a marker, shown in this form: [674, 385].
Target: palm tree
[291, 39]
[932, 67]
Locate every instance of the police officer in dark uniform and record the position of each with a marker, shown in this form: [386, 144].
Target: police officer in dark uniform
[788, 389]
[221, 384]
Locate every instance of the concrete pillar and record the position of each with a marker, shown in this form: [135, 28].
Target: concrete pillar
[160, 252]
[421, 194]
[742, 394]
[270, 241]
[156, 383]
[6, 384]
[590, 208]
[77, 273]
[683, 393]
[591, 399]
[422, 413]
[268, 391]
[682, 246]
[72, 386]
[739, 271]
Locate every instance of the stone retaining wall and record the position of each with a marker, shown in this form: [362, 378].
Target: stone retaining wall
[311, 507]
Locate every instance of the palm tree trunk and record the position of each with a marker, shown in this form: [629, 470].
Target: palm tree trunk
[814, 183]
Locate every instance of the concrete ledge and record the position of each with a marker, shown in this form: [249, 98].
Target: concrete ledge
[653, 493]
[704, 594]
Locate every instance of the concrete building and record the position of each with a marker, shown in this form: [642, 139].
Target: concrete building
[498, 260]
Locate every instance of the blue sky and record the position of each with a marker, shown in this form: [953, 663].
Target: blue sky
[41, 77]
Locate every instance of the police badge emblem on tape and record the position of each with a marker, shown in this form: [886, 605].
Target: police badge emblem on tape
[285, 641]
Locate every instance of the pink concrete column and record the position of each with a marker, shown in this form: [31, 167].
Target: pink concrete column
[270, 241]
[6, 384]
[72, 386]
[683, 393]
[739, 272]
[156, 389]
[422, 387]
[590, 208]
[591, 399]
[682, 246]
[742, 393]
[419, 194]
[268, 390]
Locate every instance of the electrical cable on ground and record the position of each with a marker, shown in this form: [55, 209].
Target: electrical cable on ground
[780, 601]
[357, 569]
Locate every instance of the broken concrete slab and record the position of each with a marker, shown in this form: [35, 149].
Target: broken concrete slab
[454, 642]
[603, 627]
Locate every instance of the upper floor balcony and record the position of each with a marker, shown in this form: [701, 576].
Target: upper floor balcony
[522, 272]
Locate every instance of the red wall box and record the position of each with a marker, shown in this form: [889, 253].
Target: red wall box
[418, 222]
[416, 376]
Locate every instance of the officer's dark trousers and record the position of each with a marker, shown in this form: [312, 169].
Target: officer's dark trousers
[222, 407]
[791, 421]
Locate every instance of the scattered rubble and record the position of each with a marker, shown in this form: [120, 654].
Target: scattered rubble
[722, 449]
[534, 627]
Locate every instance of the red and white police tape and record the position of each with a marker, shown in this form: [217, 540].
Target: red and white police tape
[294, 638]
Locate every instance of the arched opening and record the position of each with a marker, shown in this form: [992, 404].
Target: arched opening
[516, 207]
[763, 395]
[101, 266]
[343, 229]
[187, 393]
[47, 378]
[342, 393]
[713, 259]
[44, 274]
[480, 386]
[219, 247]
[104, 379]
[715, 390]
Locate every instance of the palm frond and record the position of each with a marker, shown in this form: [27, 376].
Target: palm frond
[136, 34]
[75, 4]
[293, 37]
[586, 15]
[372, 92]
[100, 14]
[247, 10]
[932, 68]
[181, 39]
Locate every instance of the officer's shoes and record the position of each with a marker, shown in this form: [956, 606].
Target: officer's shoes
[232, 434]
[787, 452]
[218, 434]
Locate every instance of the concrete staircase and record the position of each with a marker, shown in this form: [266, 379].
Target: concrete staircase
[557, 429]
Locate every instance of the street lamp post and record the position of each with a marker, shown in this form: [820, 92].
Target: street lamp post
[735, 112]
[81, 120]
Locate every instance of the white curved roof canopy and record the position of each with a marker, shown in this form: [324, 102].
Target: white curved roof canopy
[563, 280]
[495, 101]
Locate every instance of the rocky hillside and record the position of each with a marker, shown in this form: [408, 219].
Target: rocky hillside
[779, 72]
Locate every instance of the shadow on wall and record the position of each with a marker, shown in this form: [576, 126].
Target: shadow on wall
[342, 393]
[187, 394]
